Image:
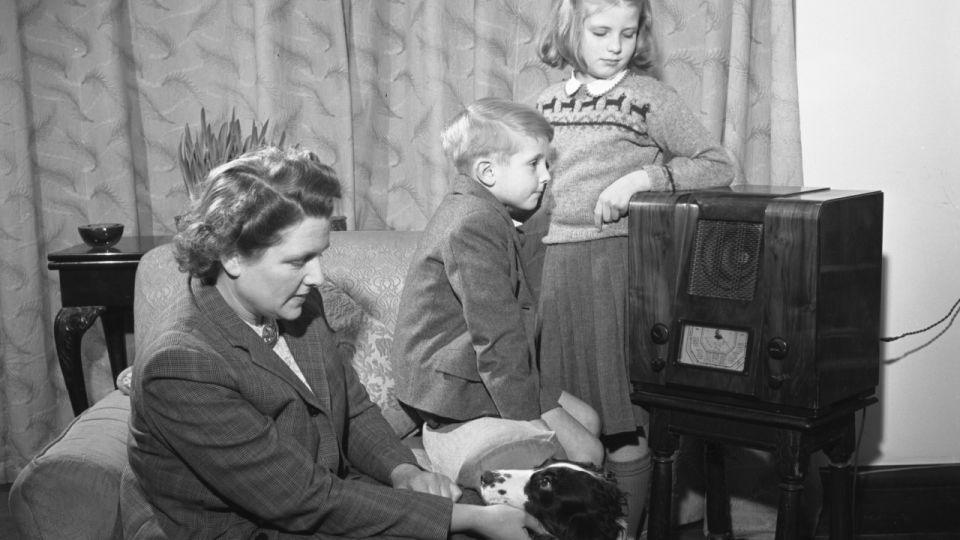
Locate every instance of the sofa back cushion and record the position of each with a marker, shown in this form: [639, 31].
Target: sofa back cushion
[371, 266]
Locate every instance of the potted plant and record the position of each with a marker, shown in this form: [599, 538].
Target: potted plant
[212, 146]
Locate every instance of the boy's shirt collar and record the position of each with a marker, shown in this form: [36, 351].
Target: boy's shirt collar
[595, 88]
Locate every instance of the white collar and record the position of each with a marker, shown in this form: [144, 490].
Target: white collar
[595, 88]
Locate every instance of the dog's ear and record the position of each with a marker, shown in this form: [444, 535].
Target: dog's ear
[601, 518]
[611, 496]
[576, 505]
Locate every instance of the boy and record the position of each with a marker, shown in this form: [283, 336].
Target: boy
[464, 347]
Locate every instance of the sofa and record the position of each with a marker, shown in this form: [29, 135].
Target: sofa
[71, 488]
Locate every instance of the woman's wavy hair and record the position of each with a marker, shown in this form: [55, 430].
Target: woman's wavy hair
[246, 204]
[560, 41]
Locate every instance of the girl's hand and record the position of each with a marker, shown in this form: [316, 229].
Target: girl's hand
[496, 521]
[613, 202]
[407, 476]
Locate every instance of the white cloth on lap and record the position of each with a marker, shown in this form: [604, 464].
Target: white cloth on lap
[463, 451]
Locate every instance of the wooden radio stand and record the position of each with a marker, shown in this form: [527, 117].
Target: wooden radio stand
[792, 437]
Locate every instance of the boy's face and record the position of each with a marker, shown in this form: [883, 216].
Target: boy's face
[518, 180]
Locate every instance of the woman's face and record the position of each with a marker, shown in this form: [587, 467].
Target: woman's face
[275, 284]
[608, 41]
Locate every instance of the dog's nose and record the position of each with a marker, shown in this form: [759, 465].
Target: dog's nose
[487, 478]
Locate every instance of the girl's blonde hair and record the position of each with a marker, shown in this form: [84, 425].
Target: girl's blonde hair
[560, 42]
[491, 127]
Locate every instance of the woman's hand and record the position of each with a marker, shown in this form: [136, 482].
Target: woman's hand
[613, 202]
[496, 521]
[407, 476]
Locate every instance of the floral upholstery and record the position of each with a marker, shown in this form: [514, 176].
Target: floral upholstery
[366, 341]
[371, 266]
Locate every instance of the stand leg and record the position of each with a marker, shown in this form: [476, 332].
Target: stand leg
[70, 325]
[792, 464]
[841, 484]
[718, 498]
[663, 445]
[788, 513]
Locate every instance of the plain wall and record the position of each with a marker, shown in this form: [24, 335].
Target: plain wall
[879, 84]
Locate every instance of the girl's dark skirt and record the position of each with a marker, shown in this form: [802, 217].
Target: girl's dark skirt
[583, 308]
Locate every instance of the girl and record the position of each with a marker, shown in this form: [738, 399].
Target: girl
[618, 131]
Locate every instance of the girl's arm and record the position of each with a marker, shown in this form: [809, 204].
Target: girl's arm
[692, 160]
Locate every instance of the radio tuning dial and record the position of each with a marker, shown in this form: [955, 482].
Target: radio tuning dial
[660, 334]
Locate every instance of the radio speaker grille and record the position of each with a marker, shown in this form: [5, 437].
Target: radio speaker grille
[726, 259]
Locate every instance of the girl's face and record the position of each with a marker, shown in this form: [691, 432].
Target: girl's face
[609, 40]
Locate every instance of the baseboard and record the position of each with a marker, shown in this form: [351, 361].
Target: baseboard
[900, 502]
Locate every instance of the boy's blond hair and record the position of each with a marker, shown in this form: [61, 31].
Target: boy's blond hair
[489, 127]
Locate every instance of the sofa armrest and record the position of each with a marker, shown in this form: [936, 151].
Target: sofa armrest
[71, 488]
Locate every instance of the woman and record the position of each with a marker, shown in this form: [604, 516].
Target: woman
[244, 419]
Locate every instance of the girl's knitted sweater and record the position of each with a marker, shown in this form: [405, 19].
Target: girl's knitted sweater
[640, 123]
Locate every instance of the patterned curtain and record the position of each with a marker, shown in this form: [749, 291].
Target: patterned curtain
[94, 97]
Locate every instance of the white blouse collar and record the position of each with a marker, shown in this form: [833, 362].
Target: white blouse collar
[596, 87]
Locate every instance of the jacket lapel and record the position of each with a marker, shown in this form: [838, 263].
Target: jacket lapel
[311, 354]
[224, 320]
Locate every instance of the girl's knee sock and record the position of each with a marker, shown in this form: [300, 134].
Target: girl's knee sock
[633, 478]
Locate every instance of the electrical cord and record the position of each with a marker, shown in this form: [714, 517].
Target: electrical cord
[945, 317]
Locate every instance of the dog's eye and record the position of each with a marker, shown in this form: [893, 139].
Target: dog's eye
[545, 483]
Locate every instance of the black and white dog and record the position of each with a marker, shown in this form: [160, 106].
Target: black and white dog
[572, 501]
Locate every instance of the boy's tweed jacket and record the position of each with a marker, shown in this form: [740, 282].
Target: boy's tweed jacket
[463, 346]
[227, 442]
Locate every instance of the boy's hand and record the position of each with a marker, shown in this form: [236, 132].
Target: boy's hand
[613, 202]
[407, 476]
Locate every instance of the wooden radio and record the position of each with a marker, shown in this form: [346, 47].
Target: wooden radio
[761, 296]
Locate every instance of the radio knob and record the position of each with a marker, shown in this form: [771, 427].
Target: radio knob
[660, 334]
[777, 348]
[658, 364]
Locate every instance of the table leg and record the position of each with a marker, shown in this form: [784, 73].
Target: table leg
[70, 325]
[113, 320]
[719, 524]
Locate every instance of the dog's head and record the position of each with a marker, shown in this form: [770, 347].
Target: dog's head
[572, 501]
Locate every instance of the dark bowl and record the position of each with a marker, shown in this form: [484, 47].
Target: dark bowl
[101, 235]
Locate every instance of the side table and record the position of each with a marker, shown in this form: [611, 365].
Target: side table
[95, 283]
